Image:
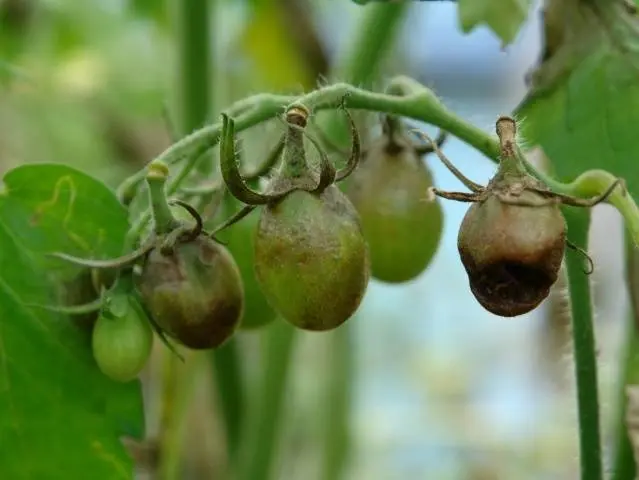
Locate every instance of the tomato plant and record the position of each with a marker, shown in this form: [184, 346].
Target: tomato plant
[194, 245]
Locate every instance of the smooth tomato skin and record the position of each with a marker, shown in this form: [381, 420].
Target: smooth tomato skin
[402, 226]
[122, 343]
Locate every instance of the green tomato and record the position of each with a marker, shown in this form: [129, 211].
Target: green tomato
[402, 227]
[122, 340]
[311, 258]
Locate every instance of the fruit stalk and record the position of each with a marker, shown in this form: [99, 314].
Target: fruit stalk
[624, 467]
[510, 163]
[294, 155]
[163, 218]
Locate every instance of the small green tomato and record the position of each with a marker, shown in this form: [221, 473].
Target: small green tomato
[122, 340]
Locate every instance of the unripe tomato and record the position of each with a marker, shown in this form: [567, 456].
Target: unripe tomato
[122, 340]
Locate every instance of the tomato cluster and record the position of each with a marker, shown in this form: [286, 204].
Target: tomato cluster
[309, 251]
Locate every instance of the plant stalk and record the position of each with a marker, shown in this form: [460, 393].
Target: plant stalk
[578, 222]
[192, 20]
[624, 460]
[164, 221]
[262, 429]
[226, 368]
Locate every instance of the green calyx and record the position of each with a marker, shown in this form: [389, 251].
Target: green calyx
[294, 173]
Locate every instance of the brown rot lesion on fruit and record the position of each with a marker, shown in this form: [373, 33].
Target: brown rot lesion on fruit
[513, 237]
[310, 257]
[188, 284]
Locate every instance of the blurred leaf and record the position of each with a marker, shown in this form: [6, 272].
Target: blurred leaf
[15, 24]
[61, 417]
[66, 31]
[266, 41]
[154, 10]
[585, 106]
[504, 17]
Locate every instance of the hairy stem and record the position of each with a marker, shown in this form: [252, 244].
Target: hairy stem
[624, 467]
[418, 103]
[593, 183]
[578, 221]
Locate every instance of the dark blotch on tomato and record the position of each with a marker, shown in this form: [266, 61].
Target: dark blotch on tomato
[195, 294]
[512, 254]
[311, 258]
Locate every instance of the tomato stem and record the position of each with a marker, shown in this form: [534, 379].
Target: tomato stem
[578, 222]
[163, 218]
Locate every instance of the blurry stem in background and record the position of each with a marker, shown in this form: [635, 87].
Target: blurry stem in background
[336, 416]
[194, 75]
[193, 104]
[624, 467]
[227, 377]
[178, 382]
[262, 428]
[584, 347]
[358, 64]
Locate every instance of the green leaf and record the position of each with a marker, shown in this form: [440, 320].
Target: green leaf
[53, 207]
[585, 107]
[61, 417]
[504, 17]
